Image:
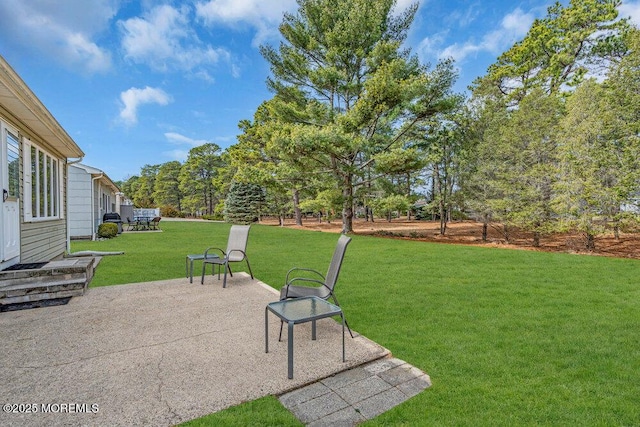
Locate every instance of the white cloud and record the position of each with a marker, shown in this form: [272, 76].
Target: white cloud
[63, 31]
[178, 139]
[630, 9]
[462, 18]
[134, 97]
[512, 28]
[164, 39]
[263, 16]
[179, 155]
[431, 46]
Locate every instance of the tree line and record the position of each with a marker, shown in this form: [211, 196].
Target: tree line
[546, 141]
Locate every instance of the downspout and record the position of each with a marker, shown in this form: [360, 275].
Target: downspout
[93, 225]
[67, 204]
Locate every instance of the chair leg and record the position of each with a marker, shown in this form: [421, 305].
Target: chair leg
[281, 325]
[204, 266]
[249, 266]
[345, 318]
[224, 281]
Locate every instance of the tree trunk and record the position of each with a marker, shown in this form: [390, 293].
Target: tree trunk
[536, 239]
[296, 206]
[591, 241]
[506, 232]
[485, 226]
[443, 218]
[347, 206]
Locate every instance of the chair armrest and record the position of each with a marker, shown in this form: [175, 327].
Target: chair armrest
[308, 270]
[213, 248]
[306, 280]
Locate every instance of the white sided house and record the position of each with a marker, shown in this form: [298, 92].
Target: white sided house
[91, 194]
[34, 155]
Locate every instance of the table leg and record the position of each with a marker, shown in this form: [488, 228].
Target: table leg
[313, 330]
[290, 350]
[266, 330]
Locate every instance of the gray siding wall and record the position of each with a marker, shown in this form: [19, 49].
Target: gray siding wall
[43, 240]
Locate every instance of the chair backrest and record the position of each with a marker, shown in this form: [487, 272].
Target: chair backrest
[238, 236]
[336, 262]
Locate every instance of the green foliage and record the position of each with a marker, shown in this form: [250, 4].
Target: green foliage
[107, 230]
[508, 337]
[243, 203]
[346, 91]
[170, 212]
[197, 175]
[388, 205]
[599, 165]
[167, 185]
[559, 49]
[145, 186]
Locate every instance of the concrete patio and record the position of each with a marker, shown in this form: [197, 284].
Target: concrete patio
[159, 353]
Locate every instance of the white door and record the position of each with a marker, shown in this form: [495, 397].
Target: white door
[10, 184]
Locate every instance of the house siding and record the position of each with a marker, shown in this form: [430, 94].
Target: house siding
[80, 216]
[91, 195]
[43, 240]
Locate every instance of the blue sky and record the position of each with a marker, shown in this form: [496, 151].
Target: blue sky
[142, 82]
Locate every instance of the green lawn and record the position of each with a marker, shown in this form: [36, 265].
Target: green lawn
[509, 337]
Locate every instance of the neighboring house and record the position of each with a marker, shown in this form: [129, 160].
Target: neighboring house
[35, 152]
[91, 194]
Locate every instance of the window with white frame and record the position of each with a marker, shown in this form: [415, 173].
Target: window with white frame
[42, 183]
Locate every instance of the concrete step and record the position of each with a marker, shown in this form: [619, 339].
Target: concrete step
[57, 279]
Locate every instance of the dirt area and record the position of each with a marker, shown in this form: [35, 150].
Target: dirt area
[470, 233]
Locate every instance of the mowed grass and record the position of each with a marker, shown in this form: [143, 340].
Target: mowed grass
[509, 337]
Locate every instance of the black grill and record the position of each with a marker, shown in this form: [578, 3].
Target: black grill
[113, 217]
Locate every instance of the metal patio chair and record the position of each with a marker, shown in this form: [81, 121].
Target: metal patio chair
[322, 286]
[236, 252]
[132, 225]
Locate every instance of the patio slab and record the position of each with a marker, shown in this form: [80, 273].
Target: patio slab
[158, 353]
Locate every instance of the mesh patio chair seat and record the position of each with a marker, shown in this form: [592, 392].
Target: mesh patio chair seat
[236, 252]
[304, 282]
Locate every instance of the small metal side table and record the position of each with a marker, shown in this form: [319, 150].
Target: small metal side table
[195, 257]
[300, 310]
